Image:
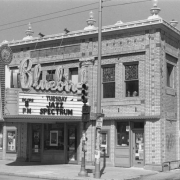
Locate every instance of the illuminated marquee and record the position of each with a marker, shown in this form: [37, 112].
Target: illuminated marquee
[53, 105]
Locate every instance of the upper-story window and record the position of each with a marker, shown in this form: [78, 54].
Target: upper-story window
[73, 75]
[131, 80]
[170, 75]
[15, 79]
[50, 75]
[109, 82]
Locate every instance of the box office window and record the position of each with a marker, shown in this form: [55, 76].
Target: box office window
[11, 141]
[1, 136]
[123, 134]
[131, 80]
[53, 137]
[109, 82]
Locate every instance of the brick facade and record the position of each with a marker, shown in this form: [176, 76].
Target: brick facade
[157, 106]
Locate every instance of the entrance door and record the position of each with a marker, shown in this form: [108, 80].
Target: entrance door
[36, 142]
[72, 143]
[138, 148]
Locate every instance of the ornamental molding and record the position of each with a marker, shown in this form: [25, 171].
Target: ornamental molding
[110, 28]
[86, 61]
[92, 58]
[5, 54]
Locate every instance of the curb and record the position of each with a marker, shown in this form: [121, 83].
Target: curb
[59, 178]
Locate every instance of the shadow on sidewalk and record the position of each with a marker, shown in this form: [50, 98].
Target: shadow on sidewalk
[19, 163]
[104, 163]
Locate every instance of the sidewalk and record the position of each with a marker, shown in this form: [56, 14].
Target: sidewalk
[169, 175]
[68, 171]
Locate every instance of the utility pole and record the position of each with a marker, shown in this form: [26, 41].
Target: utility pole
[98, 111]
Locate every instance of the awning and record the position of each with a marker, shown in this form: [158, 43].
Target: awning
[130, 118]
[41, 119]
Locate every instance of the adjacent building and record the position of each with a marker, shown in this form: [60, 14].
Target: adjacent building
[140, 94]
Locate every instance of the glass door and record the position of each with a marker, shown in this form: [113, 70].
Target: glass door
[36, 142]
[138, 148]
[72, 144]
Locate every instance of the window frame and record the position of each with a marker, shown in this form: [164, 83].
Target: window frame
[120, 146]
[70, 74]
[56, 137]
[108, 66]
[50, 76]
[49, 129]
[1, 134]
[169, 81]
[7, 140]
[133, 80]
[107, 132]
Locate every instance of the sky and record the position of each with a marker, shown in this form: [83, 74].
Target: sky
[15, 15]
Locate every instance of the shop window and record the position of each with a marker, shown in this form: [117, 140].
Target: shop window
[123, 134]
[73, 75]
[1, 136]
[170, 75]
[11, 141]
[53, 137]
[131, 80]
[104, 139]
[15, 79]
[109, 82]
[50, 75]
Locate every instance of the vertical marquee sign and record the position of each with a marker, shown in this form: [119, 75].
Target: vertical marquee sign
[52, 105]
[5, 59]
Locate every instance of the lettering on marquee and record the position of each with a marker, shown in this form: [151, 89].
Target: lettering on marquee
[54, 107]
[29, 78]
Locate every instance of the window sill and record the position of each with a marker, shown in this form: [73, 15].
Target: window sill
[123, 102]
[122, 147]
[109, 99]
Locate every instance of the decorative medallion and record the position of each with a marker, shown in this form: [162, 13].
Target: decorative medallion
[5, 54]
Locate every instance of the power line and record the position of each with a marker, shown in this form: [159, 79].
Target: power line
[49, 14]
[47, 19]
[73, 14]
[127, 3]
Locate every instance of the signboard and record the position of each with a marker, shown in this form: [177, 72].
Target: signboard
[53, 105]
[97, 154]
[99, 122]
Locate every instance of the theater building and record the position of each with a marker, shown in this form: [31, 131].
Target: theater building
[140, 95]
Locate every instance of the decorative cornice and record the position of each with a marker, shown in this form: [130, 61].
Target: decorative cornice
[91, 58]
[85, 61]
[128, 25]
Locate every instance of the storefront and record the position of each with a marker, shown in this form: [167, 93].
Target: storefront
[47, 127]
[54, 143]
